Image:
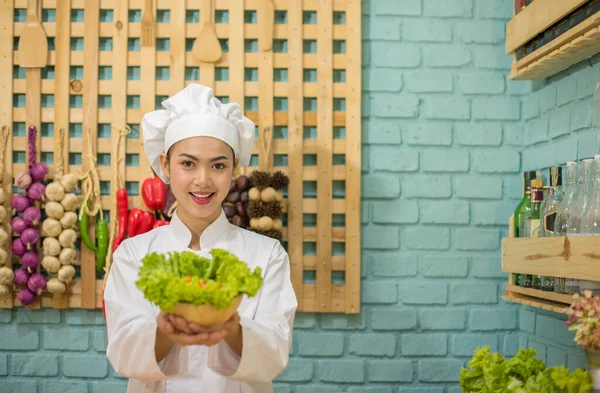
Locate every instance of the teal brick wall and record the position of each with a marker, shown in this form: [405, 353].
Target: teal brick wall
[559, 125]
[444, 134]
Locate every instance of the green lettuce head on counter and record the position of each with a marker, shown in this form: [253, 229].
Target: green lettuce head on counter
[492, 373]
[185, 277]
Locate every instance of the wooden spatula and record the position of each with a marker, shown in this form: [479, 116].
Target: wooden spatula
[266, 23]
[207, 47]
[33, 45]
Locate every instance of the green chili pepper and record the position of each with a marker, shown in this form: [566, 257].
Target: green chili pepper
[102, 240]
[83, 230]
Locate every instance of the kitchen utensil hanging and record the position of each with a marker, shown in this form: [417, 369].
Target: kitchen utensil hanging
[33, 44]
[207, 48]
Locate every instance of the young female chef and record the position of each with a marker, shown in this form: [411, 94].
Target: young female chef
[195, 144]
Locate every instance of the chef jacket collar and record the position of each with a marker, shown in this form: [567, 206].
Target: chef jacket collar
[209, 237]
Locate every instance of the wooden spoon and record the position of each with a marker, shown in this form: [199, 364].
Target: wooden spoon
[33, 45]
[207, 47]
[266, 23]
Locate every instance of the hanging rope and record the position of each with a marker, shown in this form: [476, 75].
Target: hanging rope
[120, 183]
[3, 142]
[172, 209]
[90, 185]
[118, 176]
[60, 170]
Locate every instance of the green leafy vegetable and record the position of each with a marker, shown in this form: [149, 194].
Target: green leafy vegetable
[492, 373]
[184, 277]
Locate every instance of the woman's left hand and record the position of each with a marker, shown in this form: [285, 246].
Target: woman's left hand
[189, 333]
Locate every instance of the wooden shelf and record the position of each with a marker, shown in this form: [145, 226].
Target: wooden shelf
[576, 257]
[568, 48]
[572, 52]
[535, 18]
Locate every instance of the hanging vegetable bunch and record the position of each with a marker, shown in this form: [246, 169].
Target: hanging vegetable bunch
[25, 222]
[236, 202]
[265, 204]
[58, 229]
[91, 205]
[6, 273]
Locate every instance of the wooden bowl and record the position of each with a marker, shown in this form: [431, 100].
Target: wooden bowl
[206, 314]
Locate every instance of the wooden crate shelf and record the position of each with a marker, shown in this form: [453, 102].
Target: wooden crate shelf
[328, 127]
[571, 46]
[574, 257]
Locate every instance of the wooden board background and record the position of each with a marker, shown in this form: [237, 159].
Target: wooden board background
[306, 92]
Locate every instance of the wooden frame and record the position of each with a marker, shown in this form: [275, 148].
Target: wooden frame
[337, 145]
[566, 257]
[577, 43]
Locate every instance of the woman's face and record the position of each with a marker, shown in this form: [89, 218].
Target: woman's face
[200, 170]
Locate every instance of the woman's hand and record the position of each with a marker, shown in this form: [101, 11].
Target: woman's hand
[188, 333]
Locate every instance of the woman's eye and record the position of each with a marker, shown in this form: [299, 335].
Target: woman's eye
[188, 164]
[219, 166]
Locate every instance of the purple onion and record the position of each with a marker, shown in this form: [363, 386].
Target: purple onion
[229, 211]
[30, 261]
[36, 283]
[21, 277]
[30, 237]
[26, 297]
[32, 216]
[20, 203]
[18, 225]
[18, 247]
[36, 191]
[23, 180]
[38, 171]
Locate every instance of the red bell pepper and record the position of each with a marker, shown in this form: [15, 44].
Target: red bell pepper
[147, 222]
[139, 222]
[122, 213]
[134, 222]
[154, 193]
[160, 223]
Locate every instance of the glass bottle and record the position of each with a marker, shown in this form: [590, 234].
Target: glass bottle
[561, 223]
[549, 207]
[551, 203]
[520, 209]
[532, 222]
[591, 222]
[582, 198]
[525, 201]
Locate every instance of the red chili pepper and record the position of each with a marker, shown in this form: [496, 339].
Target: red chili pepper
[122, 213]
[154, 193]
[160, 223]
[146, 222]
[134, 222]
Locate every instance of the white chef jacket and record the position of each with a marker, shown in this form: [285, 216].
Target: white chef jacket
[266, 319]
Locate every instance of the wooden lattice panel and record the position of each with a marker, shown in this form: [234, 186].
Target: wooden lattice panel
[305, 93]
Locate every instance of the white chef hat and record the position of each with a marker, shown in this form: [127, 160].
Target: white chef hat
[195, 112]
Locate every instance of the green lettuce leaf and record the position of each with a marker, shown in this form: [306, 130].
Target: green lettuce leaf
[491, 373]
[184, 277]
